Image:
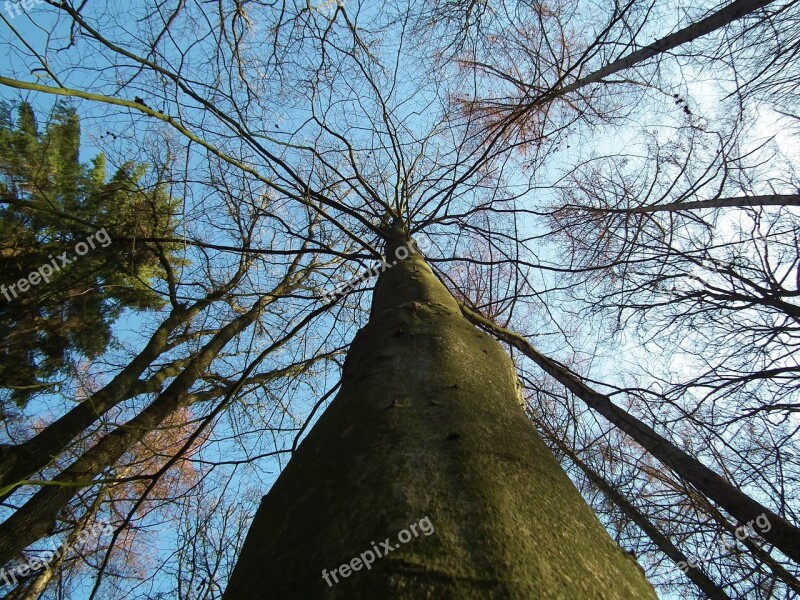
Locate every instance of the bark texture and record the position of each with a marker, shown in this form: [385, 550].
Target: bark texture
[428, 424]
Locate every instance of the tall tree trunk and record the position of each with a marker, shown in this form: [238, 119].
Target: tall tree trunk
[732, 202]
[34, 588]
[427, 429]
[751, 544]
[725, 16]
[783, 534]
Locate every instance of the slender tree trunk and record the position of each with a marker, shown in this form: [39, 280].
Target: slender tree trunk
[784, 535]
[732, 202]
[427, 429]
[20, 461]
[752, 546]
[36, 517]
[35, 587]
[698, 577]
[730, 13]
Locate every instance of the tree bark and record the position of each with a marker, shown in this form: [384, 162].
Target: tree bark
[428, 424]
[784, 535]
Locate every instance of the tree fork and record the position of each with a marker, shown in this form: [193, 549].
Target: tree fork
[35, 519]
[22, 460]
[427, 423]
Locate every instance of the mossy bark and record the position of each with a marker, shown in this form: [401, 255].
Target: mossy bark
[427, 424]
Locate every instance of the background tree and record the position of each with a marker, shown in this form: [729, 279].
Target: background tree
[51, 202]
